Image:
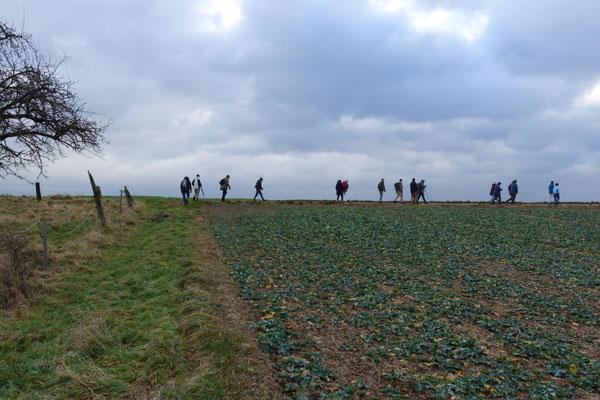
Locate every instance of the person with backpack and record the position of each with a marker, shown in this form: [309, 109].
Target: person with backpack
[197, 185]
[497, 195]
[381, 188]
[346, 186]
[556, 193]
[551, 191]
[259, 189]
[421, 191]
[224, 185]
[492, 192]
[339, 190]
[513, 189]
[414, 191]
[399, 187]
[186, 189]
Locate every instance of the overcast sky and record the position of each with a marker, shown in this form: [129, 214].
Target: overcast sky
[302, 93]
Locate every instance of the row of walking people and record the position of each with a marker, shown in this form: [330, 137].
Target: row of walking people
[513, 190]
[417, 190]
[186, 187]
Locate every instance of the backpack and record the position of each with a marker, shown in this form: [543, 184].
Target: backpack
[183, 186]
[222, 182]
[397, 186]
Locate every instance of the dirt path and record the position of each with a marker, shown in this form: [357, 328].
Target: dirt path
[214, 324]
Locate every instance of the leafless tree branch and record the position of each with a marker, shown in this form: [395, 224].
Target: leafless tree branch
[40, 115]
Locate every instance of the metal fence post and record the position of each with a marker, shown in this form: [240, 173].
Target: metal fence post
[45, 243]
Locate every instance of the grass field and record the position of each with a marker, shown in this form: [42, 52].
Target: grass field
[143, 310]
[421, 302]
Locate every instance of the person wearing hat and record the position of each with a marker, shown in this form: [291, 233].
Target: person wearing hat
[513, 189]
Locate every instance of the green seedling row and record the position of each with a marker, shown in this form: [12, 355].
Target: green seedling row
[436, 302]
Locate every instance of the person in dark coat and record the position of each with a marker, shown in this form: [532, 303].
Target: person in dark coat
[414, 191]
[339, 190]
[513, 189]
[497, 195]
[381, 188]
[259, 189]
[186, 189]
[421, 191]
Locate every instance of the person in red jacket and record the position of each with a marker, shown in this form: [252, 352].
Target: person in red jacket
[345, 185]
[493, 188]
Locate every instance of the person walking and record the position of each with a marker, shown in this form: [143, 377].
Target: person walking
[421, 191]
[197, 185]
[551, 191]
[399, 187]
[497, 195]
[186, 189]
[414, 191]
[259, 189]
[556, 193]
[492, 192]
[381, 188]
[224, 185]
[346, 186]
[339, 190]
[513, 189]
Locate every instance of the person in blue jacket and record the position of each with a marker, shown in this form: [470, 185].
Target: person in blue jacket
[513, 189]
[551, 191]
[497, 195]
[556, 193]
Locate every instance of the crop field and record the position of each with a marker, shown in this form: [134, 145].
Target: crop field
[421, 302]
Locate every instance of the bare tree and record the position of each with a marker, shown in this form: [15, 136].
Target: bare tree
[40, 115]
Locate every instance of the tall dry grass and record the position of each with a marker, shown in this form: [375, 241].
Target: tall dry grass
[74, 236]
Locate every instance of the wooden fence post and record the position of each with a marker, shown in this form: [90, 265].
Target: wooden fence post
[98, 199]
[129, 198]
[38, 191]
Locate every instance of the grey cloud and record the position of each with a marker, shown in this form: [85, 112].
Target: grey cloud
[277, 88]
